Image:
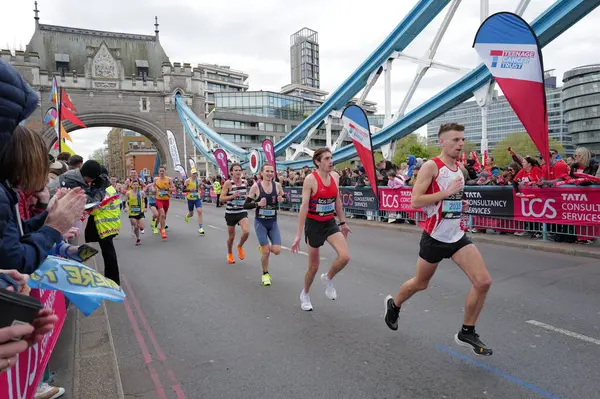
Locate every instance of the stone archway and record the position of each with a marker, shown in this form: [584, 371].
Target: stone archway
[153, 132]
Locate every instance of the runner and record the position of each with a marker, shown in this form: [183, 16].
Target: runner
[136, 209]
[193, 188]
[151, 195]
[320, 199]
[133, 176]
[438, 191]
[164, 185]
[269, 194]
[233, 194]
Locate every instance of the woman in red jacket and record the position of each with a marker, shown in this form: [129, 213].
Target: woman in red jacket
[531, 172]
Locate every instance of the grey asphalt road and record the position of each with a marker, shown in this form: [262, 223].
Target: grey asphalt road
[195, 327]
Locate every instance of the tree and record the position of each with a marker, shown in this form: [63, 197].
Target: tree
[100, 155]
[413, 144]
[434, 149]
[522, 145]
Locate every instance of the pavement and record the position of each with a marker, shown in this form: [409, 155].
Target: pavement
[194, 326]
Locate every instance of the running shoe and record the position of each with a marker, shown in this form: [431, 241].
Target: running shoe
[142, 231]
[472, 341]
[230, 259]
[153, 223]
[187, 218]
[391, 313]
[305, 301]
[260, 249]
[266, 279]
[138, 242]
[46, 391]
[329, 288]
[201, 232]
[163, 234]
[155, 230]
[241, 253]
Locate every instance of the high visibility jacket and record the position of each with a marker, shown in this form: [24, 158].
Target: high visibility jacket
[108, 217]
[217, 187]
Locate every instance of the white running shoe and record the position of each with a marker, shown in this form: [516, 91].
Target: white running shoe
[45, 391]
[142, 231]
[305, 301]
[329, 288]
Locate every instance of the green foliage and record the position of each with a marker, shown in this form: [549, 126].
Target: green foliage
[522, 145]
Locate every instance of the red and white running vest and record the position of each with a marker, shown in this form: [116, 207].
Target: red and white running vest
[443, 218]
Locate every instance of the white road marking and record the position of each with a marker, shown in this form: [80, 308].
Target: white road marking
[215, 227]
[564, 332]
[300, 252]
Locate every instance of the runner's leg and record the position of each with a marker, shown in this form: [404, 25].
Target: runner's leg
[135, 228]
[245, 233]
[338, 242]
[471, 262]
[419, 282]
[313, 266]
[275, 237]
[230, 238]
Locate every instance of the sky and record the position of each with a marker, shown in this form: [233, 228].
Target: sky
[253, 36]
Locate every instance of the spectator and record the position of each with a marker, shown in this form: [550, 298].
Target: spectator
[411, 166]
[64, 157]
[25, 245]
[531, 172]
[558, 168]
[89, 178]
[56, 169]
[570, 161]
[394, 181]
[75, 162]
[413, 179]
[584, 163]
[345, 180]
[491, 166]
[17, 100]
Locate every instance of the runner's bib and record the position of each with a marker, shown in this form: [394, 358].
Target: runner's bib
[451, 209]
[193, 196]
[163, 193]
[325, 208]
[238, 202]
[266, 212]
[136, 209]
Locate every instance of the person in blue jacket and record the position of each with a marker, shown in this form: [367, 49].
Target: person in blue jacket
[23, 163]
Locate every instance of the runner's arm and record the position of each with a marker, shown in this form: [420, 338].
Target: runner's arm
[338, 200]
[225, 189]
[426, 175]
[280, 193]
[309, 183]
[185, 185]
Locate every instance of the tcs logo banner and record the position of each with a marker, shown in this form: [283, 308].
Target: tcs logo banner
[538, 208]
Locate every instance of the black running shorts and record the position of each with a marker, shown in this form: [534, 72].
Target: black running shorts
[233, 219]
[138, 216]
[433, 251]
[316, 233]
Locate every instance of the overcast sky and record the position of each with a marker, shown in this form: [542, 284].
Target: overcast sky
[253, 36]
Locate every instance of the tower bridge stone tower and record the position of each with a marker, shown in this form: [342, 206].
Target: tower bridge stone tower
[114, 79]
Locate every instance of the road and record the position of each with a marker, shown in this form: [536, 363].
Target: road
[195, 327]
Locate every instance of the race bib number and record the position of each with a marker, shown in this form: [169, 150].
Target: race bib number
[163, 193]
[136, 209]
[193, 195]
[451, 209]
[266, 212]
[238, 202]
[325, 208]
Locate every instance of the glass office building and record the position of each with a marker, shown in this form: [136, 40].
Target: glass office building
[581, 105]
[262, 103]
[502, 120]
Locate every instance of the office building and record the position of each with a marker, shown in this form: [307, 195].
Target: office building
[304, 57]
[220, 78]
[502, 120]
[129, 150]
[581, 105]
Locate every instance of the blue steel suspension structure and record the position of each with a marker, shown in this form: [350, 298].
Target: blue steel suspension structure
[549, 25]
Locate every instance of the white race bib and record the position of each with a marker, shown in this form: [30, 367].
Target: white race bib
[266, 212]
[451, 209]
[325, 208]
[163, 193]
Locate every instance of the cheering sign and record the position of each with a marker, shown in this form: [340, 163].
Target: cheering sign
[85, 287]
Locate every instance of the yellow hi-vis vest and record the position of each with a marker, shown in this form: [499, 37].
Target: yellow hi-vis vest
[108, 218]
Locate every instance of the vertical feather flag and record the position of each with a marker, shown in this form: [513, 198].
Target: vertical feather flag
[511, 51]
[54, 92]
[66, 101]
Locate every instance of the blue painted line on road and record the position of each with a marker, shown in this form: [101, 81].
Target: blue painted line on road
[509, 377]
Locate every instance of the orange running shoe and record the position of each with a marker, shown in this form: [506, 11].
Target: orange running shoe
[230, 258]
[241, 253]
[163, 234]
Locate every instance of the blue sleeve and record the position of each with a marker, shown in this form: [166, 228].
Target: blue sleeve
[23, 253]
[35, 223]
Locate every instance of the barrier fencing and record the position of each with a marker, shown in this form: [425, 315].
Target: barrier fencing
[562, 214]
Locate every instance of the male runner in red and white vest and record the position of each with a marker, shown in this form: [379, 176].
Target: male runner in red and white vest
[320, 199]
[438, 191]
